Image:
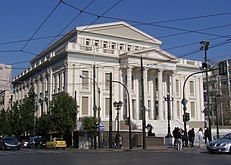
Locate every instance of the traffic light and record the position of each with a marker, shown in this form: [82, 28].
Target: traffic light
[222, 68]
[186, 117]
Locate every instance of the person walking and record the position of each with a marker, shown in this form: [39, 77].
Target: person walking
[206, 135]
[191, 136]
[200, 136]
[178, 139]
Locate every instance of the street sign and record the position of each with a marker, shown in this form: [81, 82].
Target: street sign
[184, 101]
[101, 126]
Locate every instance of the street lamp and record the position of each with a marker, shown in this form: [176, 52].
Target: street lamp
[168, 99]
[95, 108]
[129, 114]
[118, 106]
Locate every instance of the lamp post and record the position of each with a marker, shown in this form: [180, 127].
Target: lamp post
[129, 114]
[118, 106]
[205, 47]
[95, 108]
[168, 99]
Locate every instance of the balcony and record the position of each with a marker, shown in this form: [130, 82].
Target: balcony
[92, 49]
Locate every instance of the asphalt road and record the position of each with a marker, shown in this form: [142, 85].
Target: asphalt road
[138, 157]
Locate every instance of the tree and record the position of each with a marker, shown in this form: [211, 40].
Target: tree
[27, 113]
[63, 113]
[90, 127]
[43, 124]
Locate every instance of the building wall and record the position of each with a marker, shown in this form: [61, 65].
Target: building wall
[60, 69]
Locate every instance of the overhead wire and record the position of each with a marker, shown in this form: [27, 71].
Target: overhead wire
[41, 24]
[72, 20]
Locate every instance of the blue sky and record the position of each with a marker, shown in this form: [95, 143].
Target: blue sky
[21, 18]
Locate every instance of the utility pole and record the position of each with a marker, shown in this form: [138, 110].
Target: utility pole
[110, 113]
[205, 47]
[94, 104]
[168, 99]
[142, 104]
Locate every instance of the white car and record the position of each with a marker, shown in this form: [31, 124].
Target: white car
[222, 145]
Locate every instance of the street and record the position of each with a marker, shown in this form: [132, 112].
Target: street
[135, 157]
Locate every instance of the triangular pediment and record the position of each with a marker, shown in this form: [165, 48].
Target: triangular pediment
[120, 29]
[155, 54]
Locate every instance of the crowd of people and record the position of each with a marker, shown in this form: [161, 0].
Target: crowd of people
[180, 139]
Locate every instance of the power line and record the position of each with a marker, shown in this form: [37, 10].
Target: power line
[42, 24]
[73, 19]
[146, 23]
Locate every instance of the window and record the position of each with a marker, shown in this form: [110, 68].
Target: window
[107, 103]
[105, 44]
[177, 87]
[121, 47]
[193, 112]
[96, 43]
[113, 45]
[107, 79]
[84, 105]
[85, 81]
[88, 42]
[191, 88]
[129, 48]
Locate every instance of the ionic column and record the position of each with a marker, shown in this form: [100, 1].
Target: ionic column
[129, 87]
[173, 88]
[145, 73]
[160, 94]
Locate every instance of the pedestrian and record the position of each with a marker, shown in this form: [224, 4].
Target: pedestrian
[178, 139]
[174, 135]
[200, 136]
[191, 136]
[206, 135]
[118, 141]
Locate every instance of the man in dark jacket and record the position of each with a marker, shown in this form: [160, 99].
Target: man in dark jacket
[191, 136]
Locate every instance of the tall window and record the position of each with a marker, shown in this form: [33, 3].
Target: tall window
[85, 105]
[107, 103]
[193, 112]
[85, 81]
[107, 79]
[177, 87]
[191, 83]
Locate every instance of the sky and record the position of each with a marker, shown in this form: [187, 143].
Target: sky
[26, 26]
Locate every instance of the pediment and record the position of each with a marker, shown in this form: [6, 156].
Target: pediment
[155, 54]
[120, 29]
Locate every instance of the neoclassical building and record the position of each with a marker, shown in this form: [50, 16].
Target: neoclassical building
[115, 47]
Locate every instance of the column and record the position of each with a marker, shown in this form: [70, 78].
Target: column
[152, 89]
[145, 91]
[173, 88]
[129, 87]
[160, 94]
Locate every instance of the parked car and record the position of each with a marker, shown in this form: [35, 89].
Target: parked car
[56, 143]
[222, 145]
[35, 142]
[7, 143]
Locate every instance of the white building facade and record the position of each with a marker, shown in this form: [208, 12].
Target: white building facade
[116, 48]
